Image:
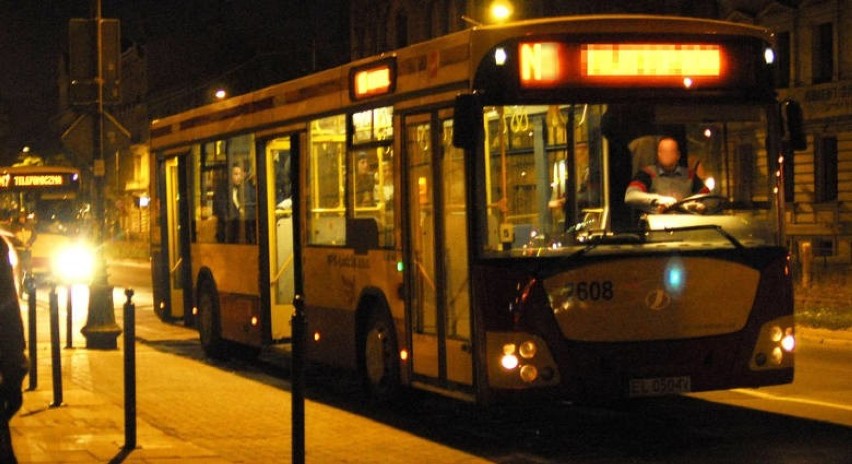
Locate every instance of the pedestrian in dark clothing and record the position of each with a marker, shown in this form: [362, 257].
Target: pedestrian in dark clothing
[13, 361]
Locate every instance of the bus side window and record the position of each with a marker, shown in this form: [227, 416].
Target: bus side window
[326, 182]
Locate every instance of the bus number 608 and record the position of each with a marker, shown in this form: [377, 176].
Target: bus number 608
[593, 290]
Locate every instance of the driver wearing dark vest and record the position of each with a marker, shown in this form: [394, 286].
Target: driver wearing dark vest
[657, 187]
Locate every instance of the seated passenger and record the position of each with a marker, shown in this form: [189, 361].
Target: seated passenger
[656, 187]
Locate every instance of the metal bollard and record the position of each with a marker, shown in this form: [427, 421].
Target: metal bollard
[129, 371]
[297, 389]
[69, 320]
[55, 359]
[32, 339]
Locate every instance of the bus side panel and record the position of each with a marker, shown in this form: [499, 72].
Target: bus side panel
[236, 274]
[330, 293]
[339, 283]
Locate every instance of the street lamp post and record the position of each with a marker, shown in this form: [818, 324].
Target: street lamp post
[101, 331]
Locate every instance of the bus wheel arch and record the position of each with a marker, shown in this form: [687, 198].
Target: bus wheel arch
[208, 319]
[378, 347]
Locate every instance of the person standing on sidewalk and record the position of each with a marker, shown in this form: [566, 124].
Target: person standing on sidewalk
[13, 361]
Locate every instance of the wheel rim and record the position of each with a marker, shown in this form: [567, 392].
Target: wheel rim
[205, 317]
[377, 352]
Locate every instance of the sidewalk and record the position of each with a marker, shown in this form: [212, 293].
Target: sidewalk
[89, 425]
[187, 410]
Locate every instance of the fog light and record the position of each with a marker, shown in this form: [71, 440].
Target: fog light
[403, 355]
[254, 321]
[760, 359]
[529, 373]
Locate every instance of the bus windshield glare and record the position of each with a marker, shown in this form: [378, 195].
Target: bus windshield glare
[554, 178]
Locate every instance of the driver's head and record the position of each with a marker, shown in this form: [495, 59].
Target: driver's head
[668, 154]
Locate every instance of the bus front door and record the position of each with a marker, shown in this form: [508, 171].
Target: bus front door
[439, 300]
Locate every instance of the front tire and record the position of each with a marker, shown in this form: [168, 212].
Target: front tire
[380, 369]
[209, 327]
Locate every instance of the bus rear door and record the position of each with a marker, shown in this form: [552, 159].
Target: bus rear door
[176, 240]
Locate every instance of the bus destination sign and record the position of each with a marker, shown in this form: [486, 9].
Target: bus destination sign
[35, 181]
[553, 64]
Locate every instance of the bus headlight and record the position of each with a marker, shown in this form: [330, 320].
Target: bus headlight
[520, 360]
[775, 344]
[75, 263]
[509, 360]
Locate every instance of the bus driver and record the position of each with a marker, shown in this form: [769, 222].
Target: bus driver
[658, 186]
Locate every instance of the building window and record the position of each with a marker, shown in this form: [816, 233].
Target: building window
[401, 30]
[823, 53]
[825, 169]
[789, 177]
[782, 60]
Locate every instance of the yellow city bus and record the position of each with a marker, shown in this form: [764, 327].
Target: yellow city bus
[457, 210]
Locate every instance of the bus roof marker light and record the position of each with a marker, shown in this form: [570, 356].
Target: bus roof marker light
[500, 56]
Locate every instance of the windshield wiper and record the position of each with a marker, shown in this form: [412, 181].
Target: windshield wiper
[715, 227]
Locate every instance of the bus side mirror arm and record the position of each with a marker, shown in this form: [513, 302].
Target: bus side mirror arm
[467, 121]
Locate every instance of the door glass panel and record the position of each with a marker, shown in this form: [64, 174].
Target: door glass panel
[281, 227]
[455, 236]
[173, 226]
[422, 219]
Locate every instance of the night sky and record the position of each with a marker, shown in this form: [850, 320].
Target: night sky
[187, 43]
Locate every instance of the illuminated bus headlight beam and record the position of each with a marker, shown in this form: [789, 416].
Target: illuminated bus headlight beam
[75, 263]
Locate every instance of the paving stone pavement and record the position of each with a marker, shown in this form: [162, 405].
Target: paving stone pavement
[188, 410]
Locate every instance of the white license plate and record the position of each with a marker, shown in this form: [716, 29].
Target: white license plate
[659, 386]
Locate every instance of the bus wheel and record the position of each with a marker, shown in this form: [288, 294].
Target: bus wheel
[209, 329]
[380, 370]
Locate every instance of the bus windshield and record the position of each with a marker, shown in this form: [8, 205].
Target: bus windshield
[555, 178]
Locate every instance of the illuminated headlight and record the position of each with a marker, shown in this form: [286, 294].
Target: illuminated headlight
[509, 360]
[788, 343]
[76, 263]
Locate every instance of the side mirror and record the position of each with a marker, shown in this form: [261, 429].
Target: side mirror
[467, 121]
[794, 124]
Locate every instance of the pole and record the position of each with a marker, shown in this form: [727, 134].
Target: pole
[299, 322]
[55, 358]
[69, 319]
[298, 379]
[30, 285]
[129, 372]
[100, 330]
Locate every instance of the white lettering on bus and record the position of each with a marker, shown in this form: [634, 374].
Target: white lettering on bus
[357, 262]
[37, 180]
